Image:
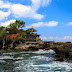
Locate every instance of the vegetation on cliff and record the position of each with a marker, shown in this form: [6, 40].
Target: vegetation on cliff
[14, 33]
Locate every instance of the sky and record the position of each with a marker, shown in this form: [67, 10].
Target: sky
[51, 18]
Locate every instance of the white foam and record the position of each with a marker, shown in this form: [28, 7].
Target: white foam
[9, 57]
[30, 64]
[2, 61]
[43, 58]
[56, 65]
[41, 51]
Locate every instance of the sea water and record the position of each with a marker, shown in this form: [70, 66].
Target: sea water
[32, 61]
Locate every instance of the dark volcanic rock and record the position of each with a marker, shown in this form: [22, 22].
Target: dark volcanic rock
[64, 50]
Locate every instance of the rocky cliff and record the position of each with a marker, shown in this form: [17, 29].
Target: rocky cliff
[63, 50]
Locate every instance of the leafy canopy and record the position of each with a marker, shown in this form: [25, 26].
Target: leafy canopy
[17, 24]
[28, 31]
[14, 28]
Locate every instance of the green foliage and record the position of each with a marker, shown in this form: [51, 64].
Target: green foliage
[14, 37]
[21, 31]
[1, 28]
[17, 24]
[15, 31]
[37, 38]
[14, 28]
[28, 31]
[8, 37]
[3, 34]
[22, 36]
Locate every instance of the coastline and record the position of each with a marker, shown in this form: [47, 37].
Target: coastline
[63, 50]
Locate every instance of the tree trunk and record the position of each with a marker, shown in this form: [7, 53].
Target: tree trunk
[6, 44]
[0, 44]
[12, 45]
[3, 44]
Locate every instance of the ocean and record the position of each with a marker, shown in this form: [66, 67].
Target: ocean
[32, 61]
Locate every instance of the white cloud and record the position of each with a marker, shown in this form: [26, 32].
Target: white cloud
[52, 23]
[61, 39]
[45, 2]
[50, 38]
[68, 37]
[30, 11]
[55, 38]
[70, 23]
[4, 14]
[44, 38]
[40, 24]
[4, 4]
[37, 3]
[7, 22]
[35, 25]
[25, 11]
[21, 10]
[38, 16]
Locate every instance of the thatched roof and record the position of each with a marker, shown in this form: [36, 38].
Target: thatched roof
[33, 30]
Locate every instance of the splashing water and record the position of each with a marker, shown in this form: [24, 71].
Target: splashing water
[36, 61]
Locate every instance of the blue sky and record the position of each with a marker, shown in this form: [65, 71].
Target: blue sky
[51, 18]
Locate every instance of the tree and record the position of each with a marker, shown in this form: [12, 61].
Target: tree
[1, 28]
[12, 32]
[3, 34]
[28, 31]
[17, 24]
[13, 28]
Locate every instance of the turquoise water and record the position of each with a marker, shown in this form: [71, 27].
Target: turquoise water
[36, 61]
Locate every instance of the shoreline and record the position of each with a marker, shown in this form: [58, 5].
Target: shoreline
[62, 49]
[57, 58]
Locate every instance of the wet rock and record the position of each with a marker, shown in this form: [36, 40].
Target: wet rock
[59, 59]
[42, 54]
[63, 50]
